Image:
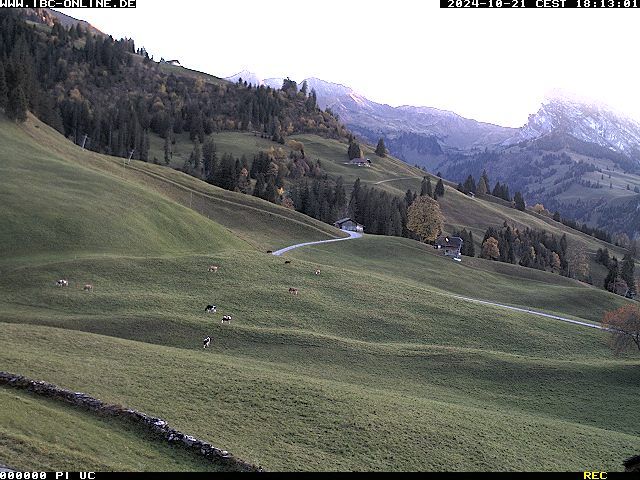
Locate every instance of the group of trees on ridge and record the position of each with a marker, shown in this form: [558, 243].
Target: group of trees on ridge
[621, 274]
[111, 97]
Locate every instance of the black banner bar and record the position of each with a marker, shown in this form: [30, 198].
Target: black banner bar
[590, 475]
[67, 3]
[515, 4]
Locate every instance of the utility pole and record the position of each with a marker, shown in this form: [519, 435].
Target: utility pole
[84, 141]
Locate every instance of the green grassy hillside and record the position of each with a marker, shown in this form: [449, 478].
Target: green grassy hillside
[395, 177]
[374, 366]
[38, 434]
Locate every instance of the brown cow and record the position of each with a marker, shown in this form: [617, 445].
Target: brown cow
[88, 288]
[294, 291]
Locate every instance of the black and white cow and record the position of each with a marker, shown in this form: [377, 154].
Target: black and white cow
[206, 342]
[210, 309]
[62, 283]
[226, 318]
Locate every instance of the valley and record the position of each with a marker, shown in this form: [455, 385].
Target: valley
[168, 245]
[355, 368]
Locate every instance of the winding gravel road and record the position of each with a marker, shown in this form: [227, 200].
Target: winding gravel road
[355, 235]
[352, 235]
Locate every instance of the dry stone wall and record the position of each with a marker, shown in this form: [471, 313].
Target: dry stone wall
[156, 426]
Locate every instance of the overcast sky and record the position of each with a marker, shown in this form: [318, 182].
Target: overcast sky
[493, 65]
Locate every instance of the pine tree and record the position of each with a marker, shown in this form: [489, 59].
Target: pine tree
[482, 186]
[270, 192]
[258, 190]
[627, 272]
[381, 149]
[423, 187]
[519, 200]
[339, 197]
[471, 249]
[17, 105]
[168, 153]
[3, 87]
[609, 281]
[439, 191]
[486, 179]
[469, 185]
[354, 150]
[209, 156]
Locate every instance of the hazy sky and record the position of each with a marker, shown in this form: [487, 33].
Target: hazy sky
[493, 65]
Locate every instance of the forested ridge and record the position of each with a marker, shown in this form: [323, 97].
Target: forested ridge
[110, 96]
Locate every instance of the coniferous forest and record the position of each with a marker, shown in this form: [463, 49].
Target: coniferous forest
[110, 96]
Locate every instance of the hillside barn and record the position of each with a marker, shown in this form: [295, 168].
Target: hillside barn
[360, 162]
[451, 245]
[350, 225]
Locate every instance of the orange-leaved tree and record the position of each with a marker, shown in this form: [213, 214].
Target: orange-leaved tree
[624, 326]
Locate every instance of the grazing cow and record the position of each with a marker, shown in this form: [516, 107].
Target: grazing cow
[269, 251]
[287, 262]
[62, 283]
[206, 342]
[317, 271]
[210, 309]
[226, 318]
[88, 288]
[213, 268]
[294, 291]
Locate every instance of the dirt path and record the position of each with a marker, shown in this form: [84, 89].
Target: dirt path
[352, 236]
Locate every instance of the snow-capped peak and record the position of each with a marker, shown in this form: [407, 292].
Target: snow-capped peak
[585, 120]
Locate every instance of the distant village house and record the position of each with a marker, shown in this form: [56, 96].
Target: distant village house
[360, 162]
[451, 245]
[349, 225]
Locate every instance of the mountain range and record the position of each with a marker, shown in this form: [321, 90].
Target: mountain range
[574, 155]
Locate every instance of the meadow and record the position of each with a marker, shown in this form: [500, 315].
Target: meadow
[374, 366]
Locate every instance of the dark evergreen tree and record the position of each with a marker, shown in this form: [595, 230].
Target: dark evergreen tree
[469, 185]
[609, 281]
[270, 192]
[519, 201]
[486, 179]
[471, 249]
[439, 191]
[209, 157]
[355, 208]
[354, 150]
[627, 272]
[339, 198]
[423, 187]
[258, 189]
[3, 87]
[17, 105]
[381, 149]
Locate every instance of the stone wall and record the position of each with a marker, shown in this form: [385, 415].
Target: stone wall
[156, 426]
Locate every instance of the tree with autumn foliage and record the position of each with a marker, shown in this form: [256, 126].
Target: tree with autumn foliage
[424, 218]
[624, 326]
[490, 249]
